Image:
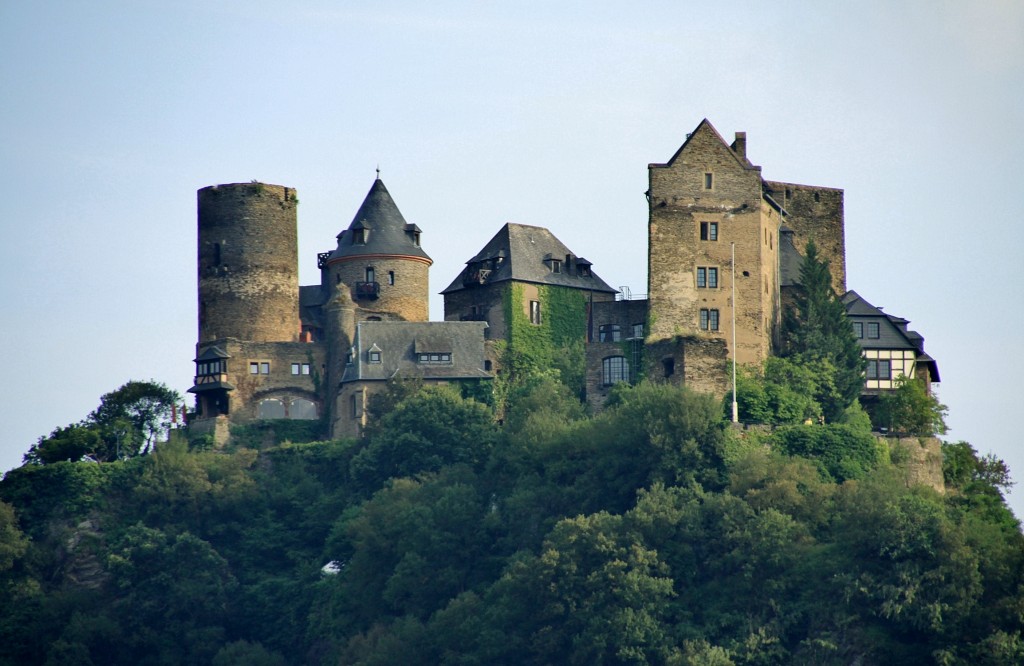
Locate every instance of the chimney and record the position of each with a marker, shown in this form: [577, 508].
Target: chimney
[739, 146]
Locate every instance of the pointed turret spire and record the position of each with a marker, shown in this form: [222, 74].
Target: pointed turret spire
[379, 228]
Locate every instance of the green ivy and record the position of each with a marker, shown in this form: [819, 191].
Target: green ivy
[555, 343]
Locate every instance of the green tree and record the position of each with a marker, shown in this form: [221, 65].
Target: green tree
[816, 329]
[425, 432]
[147, 407]
[910, 410]
[72, 442]
[126, 424]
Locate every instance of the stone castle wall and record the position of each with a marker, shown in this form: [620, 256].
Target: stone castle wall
[248, 263]
[403, 290]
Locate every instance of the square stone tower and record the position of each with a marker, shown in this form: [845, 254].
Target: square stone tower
[705, 199]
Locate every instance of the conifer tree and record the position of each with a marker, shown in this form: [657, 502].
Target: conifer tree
[816, 331]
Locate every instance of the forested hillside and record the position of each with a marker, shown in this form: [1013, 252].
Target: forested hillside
[652, 532]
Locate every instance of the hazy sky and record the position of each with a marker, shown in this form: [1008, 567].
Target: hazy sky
[113, 114]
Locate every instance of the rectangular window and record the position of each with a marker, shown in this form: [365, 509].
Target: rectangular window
[709, 231]
[707, 277]
[708, 319]
[375, 357]
[609, 333]
[391, 277]
[873, 330]
[614, 369]
[638, 331]
[556, 266]
[296, 368]
[535, 312]
[264, 368]
[254, 368]
[858, 329]
[435, 358]
[880, 369]
[305, 368]
[709, 180]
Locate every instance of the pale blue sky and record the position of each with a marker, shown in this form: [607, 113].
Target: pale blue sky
[112, 115]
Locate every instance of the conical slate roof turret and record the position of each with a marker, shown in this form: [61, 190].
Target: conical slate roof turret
[378, 228]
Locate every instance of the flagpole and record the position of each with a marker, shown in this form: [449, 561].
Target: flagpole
[735, 405]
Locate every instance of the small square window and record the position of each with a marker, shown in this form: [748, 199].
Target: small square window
[374, 357]
[873, 332]
[709, 231]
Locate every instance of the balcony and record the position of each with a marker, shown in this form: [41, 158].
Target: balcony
[367, 290]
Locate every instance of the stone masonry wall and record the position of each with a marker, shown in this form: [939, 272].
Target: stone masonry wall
[250, 388]
[921, 460]
[408, 299]
[816, 213]
[248, 263]
[679, 203]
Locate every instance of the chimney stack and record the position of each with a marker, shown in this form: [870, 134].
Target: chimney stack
[739, 146]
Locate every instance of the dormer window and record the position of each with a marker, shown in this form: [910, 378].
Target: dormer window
[413, 232]
[374, 354]
[444, 357]
[359, 237]
[556, 266]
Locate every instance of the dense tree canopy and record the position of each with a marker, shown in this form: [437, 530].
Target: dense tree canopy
[650, 533]
[127, 423]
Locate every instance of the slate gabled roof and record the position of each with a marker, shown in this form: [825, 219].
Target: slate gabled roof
[892, 330]
[386, 231]
[524, 253]
[399, 343]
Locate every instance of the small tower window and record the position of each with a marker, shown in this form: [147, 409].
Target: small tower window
[391, 277]
[371, 275]
[535, 312]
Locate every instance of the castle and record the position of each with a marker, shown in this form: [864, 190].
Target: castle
[722, 247]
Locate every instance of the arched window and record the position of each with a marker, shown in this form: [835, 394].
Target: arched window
[270, 408]
[614, 369]
[302, 409]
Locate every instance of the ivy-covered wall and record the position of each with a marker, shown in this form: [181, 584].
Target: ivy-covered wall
[557, 342]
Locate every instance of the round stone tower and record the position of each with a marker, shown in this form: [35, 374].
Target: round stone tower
[248, 263]
[380, 261]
